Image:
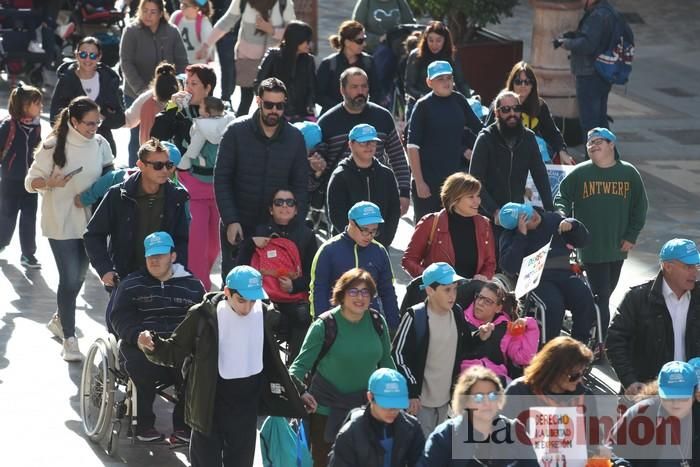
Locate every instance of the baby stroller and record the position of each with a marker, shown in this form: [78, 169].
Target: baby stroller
[101, 19]
[22, 53]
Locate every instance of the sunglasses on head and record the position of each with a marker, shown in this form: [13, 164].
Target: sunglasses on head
[83, 54]
[522, 82]
[279, 202]
[159, 165]
[359, 40]
[274, 105]
[506, 109]
[578, 375]
[480, 398]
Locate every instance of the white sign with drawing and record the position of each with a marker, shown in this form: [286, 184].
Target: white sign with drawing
[531, 270]
[556, 174]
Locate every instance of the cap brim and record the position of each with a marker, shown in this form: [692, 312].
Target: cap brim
[369, 220]
[253, 294]
[451, 279]
[158, 250]
[692, 259]
[385, 402]
[364, 140]
[676, 393]
[439, 74]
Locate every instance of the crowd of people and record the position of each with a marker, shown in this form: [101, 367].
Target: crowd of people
[378, 383]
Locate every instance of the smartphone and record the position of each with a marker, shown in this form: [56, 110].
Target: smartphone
[74, 172]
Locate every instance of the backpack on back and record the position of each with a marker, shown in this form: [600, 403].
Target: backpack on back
[614, 63]
[279, 258]
[177, 19]
[283, 446]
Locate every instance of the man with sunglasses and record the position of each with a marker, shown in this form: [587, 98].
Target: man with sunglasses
[258, 155]
[355, 247]
[146, 202]
[504, 153]
[361, 177]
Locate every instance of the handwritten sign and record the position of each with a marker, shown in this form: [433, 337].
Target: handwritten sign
[557, 435]
[556, 174]
[531, 270]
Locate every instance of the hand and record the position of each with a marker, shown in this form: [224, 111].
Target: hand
[77, 202]
[264, 26]
[145, 341]
[480, 277]
[423, 190]
[556, 43]
[309, 402]
[522, 224]
[413, 406]
[520, 322]
[565, 158]
[110, 279]
[468, 154]
[496, 220]
[634, 388]
[565, 226]
[234, 233]
[316, 162]
[404, 202]
[57, 180]
[626, 246]
[285, 283]
[181, 98]
[261, 242]
[202, 52]
[485, 331]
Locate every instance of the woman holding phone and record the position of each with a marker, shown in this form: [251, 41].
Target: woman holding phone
[69, 161]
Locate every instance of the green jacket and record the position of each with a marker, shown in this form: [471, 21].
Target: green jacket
[279, 396]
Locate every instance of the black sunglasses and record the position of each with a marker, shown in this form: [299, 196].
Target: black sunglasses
[159, 165]
[359, 40]
[522, 82]
[279, 202]
[506, 109]
[274, 105]
[578, 375]
[83, 54]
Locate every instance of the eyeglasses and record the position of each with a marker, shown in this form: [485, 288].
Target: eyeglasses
[578, 375]
[483, 298]
[522, 82]
[279, 202]
[267, 105]
[159, 165]
[83, 54]
[359, 40]
[480, 397]
[355, 292]
[89, 124]
[596, 142]
[506, 109]
[366, 231]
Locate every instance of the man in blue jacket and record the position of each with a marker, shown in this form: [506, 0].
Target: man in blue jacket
[355, 248]
[155, 298]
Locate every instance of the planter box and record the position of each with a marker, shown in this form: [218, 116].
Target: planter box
[487, 61]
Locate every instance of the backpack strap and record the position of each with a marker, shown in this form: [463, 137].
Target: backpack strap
[330, 332]
[198, 26]
[177, 17]
[420, 321]
[10, 138]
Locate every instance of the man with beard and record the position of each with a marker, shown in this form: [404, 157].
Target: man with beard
[339, 120]
[440, 137]
[504, 153]
[258, 154]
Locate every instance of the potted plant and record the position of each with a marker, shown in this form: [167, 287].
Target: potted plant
[486, 57]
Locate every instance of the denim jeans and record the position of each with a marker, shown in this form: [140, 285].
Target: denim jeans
[592, 95]
[135, 136]
[72, 263]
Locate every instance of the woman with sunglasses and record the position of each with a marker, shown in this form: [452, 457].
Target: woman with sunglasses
[282, 249]
[477, 401]
[535, 114]
[350, 44]
[359, 344]
[69, 161]
[497, 338]
[88, 76]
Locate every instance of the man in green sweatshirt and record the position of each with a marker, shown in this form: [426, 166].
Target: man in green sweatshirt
[609, 197]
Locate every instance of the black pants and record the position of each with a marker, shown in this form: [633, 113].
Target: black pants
[423, 206]
[225, 47]
[146, 376]
[14, 199]
[231, 442]
[247, 95]
[295, 319]
[562, 292]
[603, 278]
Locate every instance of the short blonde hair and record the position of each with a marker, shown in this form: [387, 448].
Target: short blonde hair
[455, 186]
[466, 382]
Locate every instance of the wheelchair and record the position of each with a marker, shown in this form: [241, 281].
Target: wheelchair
[108, 396]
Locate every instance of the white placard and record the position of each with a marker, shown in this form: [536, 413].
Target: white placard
[558, 436]
[531, 271]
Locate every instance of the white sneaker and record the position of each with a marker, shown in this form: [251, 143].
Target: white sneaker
[71, 352]
[35, 47]
[55, 326]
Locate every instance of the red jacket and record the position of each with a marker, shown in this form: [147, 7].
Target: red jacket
[419, 255]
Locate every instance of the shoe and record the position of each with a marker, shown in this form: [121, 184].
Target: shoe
[180, 436]
[55, 326]
[149, 435]
[30, 262]
[65, 31]
[35, 47]
[71, 352]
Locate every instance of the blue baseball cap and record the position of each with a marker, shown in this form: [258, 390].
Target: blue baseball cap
[442, 273]
[365, 213]
[600, 132]
[158, 243]
[247, 282]
[311, 133]
[439, 68]
[677, 380]
[362, 133]
[174, 154]
[510, 213]
[680, 249]
[695, 363]
[389, 389]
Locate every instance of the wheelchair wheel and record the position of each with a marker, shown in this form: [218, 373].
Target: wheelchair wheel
[97, 388]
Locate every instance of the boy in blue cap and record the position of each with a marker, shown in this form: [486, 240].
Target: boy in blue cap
[236, 372]
[361, 177]
[658, 321]
[380, 433]
[427, 348]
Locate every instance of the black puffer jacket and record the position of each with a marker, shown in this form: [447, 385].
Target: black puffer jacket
[640, 336]
[174, 125]
[110, 99]
[250, 167]
[299, 80]
[357, 443]
[502, 171]
[350, 184]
